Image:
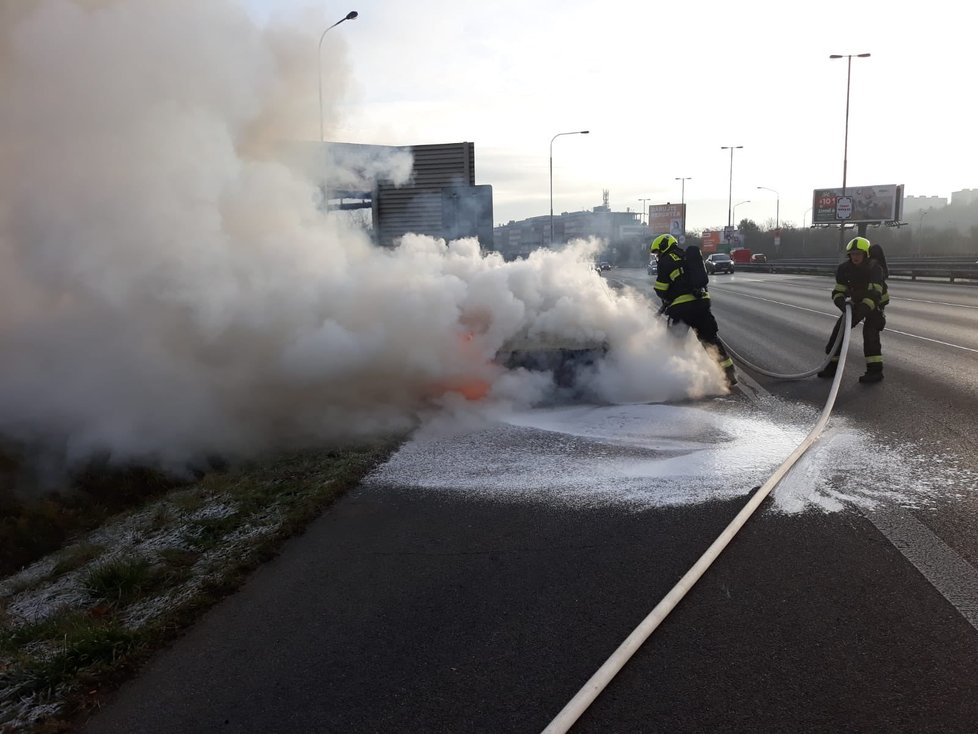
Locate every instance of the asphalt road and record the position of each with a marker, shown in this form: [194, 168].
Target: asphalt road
[408, 611]
[929, 398]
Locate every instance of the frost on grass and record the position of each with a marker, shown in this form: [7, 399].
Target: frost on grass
[45, 600]
[207, 568]
[158, 534]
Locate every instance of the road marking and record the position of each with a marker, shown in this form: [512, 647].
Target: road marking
[936, 303]
[953, 577]
[888, 329]
[752, 388]
[935, 341]
[948, 572]
[780, 303]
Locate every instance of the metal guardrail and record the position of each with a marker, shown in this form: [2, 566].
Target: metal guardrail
[953, 269]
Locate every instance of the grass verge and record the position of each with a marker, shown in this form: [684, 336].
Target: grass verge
[33, 525]
[76, 624]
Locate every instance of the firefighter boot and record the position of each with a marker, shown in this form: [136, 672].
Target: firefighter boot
[830, 368]
[874, 373]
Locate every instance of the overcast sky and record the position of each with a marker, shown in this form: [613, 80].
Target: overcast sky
[661, 87]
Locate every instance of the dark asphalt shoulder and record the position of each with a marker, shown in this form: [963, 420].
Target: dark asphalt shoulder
[422, 611]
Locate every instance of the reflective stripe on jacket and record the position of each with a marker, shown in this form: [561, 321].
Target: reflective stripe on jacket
[670, 282]
[860, 283]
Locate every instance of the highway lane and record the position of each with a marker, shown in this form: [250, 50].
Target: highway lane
[405, 609]
[412, 612]
[940, 319]
[928, 401]
[930, 348]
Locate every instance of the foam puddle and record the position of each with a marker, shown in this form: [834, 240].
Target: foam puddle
[645, 456]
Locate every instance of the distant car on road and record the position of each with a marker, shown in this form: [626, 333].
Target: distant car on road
[604, 266]
[758, 257]
[653, 267]
[719, 262]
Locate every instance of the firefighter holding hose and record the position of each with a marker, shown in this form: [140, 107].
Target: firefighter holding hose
[860, 280]
[685, 298]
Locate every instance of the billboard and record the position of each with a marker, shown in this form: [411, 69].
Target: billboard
[860, 204]
[722, 240]
[668, 219]
[711, 241]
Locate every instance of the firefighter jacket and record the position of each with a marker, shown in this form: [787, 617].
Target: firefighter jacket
[884, 271]
[671, 284]
[863, 284]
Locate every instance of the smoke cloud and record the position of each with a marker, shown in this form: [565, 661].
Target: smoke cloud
[169, 288]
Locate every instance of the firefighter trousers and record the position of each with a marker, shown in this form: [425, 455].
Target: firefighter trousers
[873, 324]
[698, 316]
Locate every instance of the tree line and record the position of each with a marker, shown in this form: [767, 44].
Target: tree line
[939, 233]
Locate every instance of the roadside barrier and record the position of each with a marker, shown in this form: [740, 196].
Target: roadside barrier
[953, 268]
[569, 715]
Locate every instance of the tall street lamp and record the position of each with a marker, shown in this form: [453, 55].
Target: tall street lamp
[682, 191]
[349, 16]
[804, 229]
[777, 207]
[920, 231]
[731, 148]
[644, 210]
[738, 204]
[574, 132]
[845, 149]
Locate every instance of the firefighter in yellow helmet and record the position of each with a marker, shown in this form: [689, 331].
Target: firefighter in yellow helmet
[685, 301]
[860, 280]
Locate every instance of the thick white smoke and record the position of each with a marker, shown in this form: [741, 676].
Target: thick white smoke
[169, 289]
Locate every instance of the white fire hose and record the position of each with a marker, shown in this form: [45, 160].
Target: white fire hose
[796, 376]
[569, 715]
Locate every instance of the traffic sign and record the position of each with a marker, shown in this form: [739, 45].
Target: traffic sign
[843, 207]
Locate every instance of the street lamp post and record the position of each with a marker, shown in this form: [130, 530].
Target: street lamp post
[349, 16]
[644, 210]
[845, 148]
[574, 132]
[804, 229]
[777, 208]
[738, 204]
[731, 148]
[920, 231]
[682, 194]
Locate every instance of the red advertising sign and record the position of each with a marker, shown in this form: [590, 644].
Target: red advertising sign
[711, 241]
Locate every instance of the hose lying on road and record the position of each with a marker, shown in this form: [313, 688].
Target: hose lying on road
[799, 376]
[599, 681]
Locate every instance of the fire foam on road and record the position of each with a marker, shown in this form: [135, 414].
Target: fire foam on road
[655, 455]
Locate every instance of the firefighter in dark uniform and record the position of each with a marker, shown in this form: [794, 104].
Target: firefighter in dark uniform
[685, 304]
[876, 255]
[860, 280]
